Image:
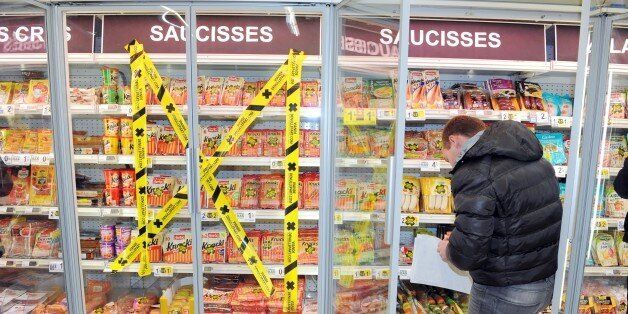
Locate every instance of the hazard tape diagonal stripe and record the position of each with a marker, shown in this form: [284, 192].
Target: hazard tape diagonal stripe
[291, 183]
[172, 207]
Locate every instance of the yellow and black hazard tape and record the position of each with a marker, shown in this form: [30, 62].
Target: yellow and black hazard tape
[209, 165]
[291, 184]
[140, 145]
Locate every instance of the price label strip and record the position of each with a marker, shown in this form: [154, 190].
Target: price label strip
[140, 155]
[208, 167]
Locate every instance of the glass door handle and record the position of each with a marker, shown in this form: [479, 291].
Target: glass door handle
[390, 177]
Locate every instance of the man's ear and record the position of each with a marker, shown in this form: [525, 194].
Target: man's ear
[453, 141]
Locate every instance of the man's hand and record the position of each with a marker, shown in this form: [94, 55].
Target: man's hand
[442, 248]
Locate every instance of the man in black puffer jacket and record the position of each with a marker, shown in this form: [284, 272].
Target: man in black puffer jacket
[508, 215]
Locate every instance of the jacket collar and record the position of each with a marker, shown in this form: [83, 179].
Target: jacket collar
[466, 147]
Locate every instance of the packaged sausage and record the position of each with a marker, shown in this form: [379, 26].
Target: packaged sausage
[253, 143]
[603, 250]
[210, 138]
[616, 151]
[341, 140]
[178, 91]
[353, 93]
[231, 189]
[430, 96]
[214, 245]
[177, 245]
[308, 246]
[249, 90]
[249, 197]
[434, 144]
[410, 195]
[559, 105]
[113, 197]
[127, 197]
[451, 99]
[358, 143]
[503, 94]
[5, 92]
[44, 141]
[437, 198]
[126, 145]
[309, 94]
[111, 145]
[84, 96]
[161, 189]
[273, 143]
[19, 194]
[530, 96]
[310, 190]
[30, 143]
[381, 93]
[126, 127]
[415, 88]
[616, 206]
[123, 233]
[371, 196]
[271, 191]
[472, 97]
[381, 143]
[112, 178]
[415, 145]
[213, 90]
[605, 304]
[272, 247]
[232, 92]
[155, 249]
[346, 193]
[310, 143]
[279, 100]
[20, 93]
[152, 134]
[200, 88]
[47, 243]
[14, 140]
[553, 147]
[168, 142]
[6, 225]
[42, 186]
[234, 256]
[38, 92]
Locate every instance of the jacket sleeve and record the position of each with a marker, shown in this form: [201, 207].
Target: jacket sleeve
[621, 181]
[469, 242]
[6, 183]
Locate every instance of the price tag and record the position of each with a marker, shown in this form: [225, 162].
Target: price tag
[382, 274]
[109, 108]
[150, 213]
[7, 110]
[386, 114]
[338, 218]
[509, 115]
[620, 225]
[246, 216]
[53, 213]
[127, 110]
[276, 164]
[430, 166]
[55, 267]
[28, 209]
[336, 273]
[163, 271]
[363, 273]
[560, 122]
[209, 216]
[561, 171]
[359, 116]
[3, 263]
[403, 273]
[9, 210]
[457, 112]
[275, 271]
[410, 220]
[40, 160]
[605, 174]
[45, 110]
[17, 159]
[539, 117]
[601, 224]
[415, 115]
[108, 159]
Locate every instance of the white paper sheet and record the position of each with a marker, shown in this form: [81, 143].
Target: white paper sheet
[429, 269]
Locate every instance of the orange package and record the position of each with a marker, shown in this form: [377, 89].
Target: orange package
[353, 93]
[21, 186]
[253, 143]
[155, 249]
[309, 93]
[232, 92]
[42, 186]
[308, 246]
[358, 143]
[346, 194]
[127, 178]
[310, 141]
[273, 143]
[152, 134]
[214, 245]
[44, 141]
[113, 196]
[160, 190]
[20, 93]
[168, 143]
[272, 247]
[248, 93]
[279, 100]
[30, 143]
[5, 92]
[178, 91]
[210, 138]
[213, 91]
[200, 87]
[38, 91]
[231, 188]
[234, 256]
[271, 191]
[14, 141]
[177, 246]
[309, 195]
[249, 196]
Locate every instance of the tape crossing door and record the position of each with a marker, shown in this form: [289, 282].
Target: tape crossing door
[291, 184]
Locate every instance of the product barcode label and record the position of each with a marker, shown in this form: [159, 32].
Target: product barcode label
[276, 164]
[560, 122]
[108, 159]
[163, 271]
[53, 214]
[539, 117]
[127, 110]
[359, 116]
[55, 267]
[386, 114]
[17, 159]
[561, 171]
[246, 216]
[7, 110]
[382, 274]
[415, 115]
[336, 273]
[430, 166]
[510, 115]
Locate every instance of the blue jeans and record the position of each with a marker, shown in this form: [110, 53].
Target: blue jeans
[530, 298]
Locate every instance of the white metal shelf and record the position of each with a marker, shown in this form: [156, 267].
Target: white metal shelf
[272, 162]
[28, 210]
[27, 263]
[26, 159]
[606, 223]
[248, 216]
[599, 271]
[618, 123]
[413, 220]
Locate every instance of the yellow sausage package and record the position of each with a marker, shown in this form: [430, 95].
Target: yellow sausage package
[616, 206]
[410, 195]
[437, 197]
[604, 253]
[622, 248]
[371, 196]
[42, 186]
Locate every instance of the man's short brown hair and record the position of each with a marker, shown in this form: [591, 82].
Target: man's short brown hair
[462, 125]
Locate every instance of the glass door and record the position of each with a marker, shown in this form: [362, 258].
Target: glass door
[31, 250]
[127, 93]
[247, 88]
[366, 103]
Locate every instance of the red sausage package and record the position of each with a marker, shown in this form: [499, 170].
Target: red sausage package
[249, 196]
[310, 190]
[214, 245]
[233, 252]
[271, 191]
[177, 245]
[253, 143]
[273, 143]
[272, 247]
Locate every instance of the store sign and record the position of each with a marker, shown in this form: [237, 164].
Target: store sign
[215, 34]
[567, 38]
[446, 39]
[27, 34]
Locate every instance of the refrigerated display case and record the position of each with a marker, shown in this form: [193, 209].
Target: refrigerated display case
[31, 246]
[598, 262]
